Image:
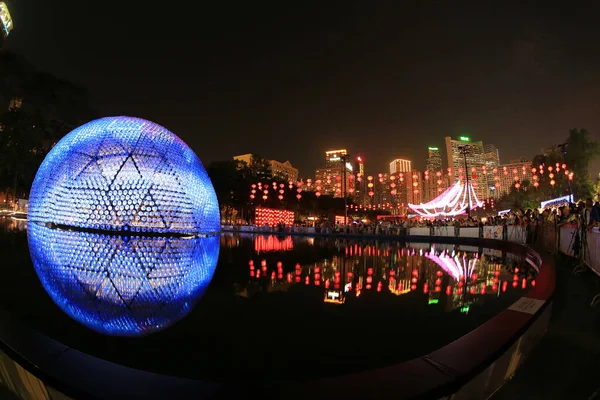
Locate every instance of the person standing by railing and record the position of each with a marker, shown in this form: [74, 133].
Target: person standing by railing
[566, 217]
[590, 214]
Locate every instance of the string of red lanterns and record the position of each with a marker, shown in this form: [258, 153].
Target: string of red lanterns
[553, 173]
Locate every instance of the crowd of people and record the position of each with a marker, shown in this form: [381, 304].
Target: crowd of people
[581, 214]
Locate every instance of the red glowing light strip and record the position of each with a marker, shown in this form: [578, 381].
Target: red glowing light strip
[272, 217]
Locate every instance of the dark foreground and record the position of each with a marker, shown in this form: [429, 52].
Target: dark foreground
[566, 363]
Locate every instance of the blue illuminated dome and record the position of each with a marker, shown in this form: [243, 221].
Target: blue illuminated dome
[122, 285]
[124, 174]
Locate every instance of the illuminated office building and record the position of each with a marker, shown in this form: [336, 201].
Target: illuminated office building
[6, 23]
[279, 170]
[359, 166]
[515, 172]
[434, 159]
[333, 158]
[5, 19]
[359, 181]
[435, 181]
[491, 158]
[331, 177]
[414, 187]
[475, 162]
[400, 165]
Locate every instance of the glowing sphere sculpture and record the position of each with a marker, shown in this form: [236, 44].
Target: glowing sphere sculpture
[124, 174]
[119, 284]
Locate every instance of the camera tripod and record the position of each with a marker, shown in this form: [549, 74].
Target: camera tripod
[579, 246]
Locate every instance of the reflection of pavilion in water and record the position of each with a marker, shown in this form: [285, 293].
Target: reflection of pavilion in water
[122, 285]
[453, 278]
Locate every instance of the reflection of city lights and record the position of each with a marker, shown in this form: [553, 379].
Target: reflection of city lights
[273, 243]
[408, 272]
[334, 297]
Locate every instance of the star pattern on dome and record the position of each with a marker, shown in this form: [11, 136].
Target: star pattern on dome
[124, 174]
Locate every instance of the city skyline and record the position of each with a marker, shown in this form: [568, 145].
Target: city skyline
[414, 163]
[383, 82]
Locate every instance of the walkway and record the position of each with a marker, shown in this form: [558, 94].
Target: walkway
[566, 363]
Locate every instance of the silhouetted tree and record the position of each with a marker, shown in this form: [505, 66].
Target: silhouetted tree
[36, 110]
[260, 167]
[579, 154]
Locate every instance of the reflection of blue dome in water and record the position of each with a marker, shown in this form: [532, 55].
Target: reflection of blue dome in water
[122, 285]
[124, 174]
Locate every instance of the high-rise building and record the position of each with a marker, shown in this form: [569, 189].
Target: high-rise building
[331, 177]
[434, 179]
[381, 189]
[511, 174]
[6, 23]
[333, 158]
[359, 166]
[279, 170]
[359, 182]
[474, 160]
[284, 170]
[434, 160]
[491, 158]
[400, 165]
[414, 187]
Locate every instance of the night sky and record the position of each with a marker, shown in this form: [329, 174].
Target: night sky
[293, 80]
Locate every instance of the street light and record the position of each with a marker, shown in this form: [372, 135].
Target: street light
[344, 160]
[563, 148]
[464, 149]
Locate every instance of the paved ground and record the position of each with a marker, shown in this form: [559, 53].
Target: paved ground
[566, 363]
[5, 394]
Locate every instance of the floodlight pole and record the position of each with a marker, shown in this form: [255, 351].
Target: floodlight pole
[344, 158]
[463, 150]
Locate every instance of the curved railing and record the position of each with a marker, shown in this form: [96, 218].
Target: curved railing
[474, 366]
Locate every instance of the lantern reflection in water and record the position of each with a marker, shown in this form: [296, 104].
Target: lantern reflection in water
[445, 276]
[273, 243]
[122, 285]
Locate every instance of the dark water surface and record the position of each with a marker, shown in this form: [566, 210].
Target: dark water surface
[255, 307]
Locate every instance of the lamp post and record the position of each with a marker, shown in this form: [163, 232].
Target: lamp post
[344, 158]
[563, 148]
[464, 149]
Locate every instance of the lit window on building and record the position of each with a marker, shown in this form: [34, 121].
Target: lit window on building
[15, 104]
